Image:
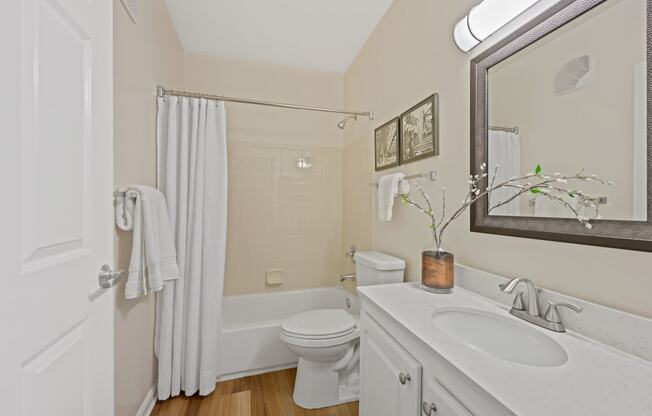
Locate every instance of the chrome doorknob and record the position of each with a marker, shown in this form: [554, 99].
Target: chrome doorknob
[404, 378]
[107, 278]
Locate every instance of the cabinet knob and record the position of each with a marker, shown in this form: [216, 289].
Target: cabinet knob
[404, 378]
[428, 408]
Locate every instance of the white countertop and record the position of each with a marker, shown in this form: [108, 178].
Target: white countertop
[596, 379]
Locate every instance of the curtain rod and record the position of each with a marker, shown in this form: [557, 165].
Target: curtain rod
[506, 129]
[161, 92]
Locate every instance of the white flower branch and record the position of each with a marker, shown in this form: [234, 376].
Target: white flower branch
[532, 183]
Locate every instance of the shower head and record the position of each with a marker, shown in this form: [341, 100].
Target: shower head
[342, 123]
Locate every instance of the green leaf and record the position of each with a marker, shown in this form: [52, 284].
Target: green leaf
[572, 195]
[535, 190]
[537, 170]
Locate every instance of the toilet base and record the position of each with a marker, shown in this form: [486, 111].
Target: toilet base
[317, 385]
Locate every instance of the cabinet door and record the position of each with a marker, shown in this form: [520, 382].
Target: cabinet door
[438, 402]
[390, 378]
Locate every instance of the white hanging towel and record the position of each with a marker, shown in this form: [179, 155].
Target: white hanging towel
[389, 186]
[504, 152]
[124, 212]
[153, 256]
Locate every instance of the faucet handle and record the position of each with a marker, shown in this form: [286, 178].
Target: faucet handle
[351, 253]
[518, 303]
[552, 314]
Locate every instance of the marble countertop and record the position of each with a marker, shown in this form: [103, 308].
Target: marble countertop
[596, 379]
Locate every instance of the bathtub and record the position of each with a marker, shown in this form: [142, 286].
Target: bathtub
[251, 327]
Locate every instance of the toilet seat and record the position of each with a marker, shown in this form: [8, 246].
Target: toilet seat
[319, 324]
[319, 328]
[318, 343]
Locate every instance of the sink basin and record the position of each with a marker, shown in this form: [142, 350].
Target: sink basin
[499, 336]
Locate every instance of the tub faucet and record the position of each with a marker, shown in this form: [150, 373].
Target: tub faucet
[350, 276]
[351, 253]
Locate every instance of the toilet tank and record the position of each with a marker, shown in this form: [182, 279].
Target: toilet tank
[375, 268]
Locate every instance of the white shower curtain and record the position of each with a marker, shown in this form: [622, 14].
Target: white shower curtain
[192, 173]
[504, 151]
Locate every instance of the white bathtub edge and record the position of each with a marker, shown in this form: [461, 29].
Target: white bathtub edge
[233, 376]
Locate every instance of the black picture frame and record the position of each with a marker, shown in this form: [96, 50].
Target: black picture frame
[433, 100]
[377, 132]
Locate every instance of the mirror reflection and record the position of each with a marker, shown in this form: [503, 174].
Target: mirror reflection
[576, 98]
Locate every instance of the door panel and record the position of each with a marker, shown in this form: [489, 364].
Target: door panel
[56, 345]
[440, 401]
[55, 176]
[62, 363]
[382, 362]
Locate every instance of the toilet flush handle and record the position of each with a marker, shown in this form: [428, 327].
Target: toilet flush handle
[404, 378]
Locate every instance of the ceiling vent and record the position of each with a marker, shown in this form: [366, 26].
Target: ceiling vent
[574, 75]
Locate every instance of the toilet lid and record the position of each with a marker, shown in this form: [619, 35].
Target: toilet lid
[320, 323]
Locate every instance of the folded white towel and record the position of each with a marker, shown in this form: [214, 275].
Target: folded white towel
[124, 212]
[389, 186]
[153, 256]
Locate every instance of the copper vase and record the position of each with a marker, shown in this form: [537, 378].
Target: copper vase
[437, 271]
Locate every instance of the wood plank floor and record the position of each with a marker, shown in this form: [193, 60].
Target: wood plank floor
[262, 395]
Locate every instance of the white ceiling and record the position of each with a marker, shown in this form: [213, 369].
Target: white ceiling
[323, 35]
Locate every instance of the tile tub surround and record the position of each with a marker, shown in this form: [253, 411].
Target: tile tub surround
[282, 216]
[596, 379]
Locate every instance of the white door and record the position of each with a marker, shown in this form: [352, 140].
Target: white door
[390, 378]
[56, 329]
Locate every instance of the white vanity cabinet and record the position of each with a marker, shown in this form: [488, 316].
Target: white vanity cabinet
[436, 401]
[400, 376]
[396, 386]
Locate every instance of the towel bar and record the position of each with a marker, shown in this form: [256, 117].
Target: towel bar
[432, 175]
[118, 194]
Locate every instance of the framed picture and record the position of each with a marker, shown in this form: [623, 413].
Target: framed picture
[420, 131]
[386, 145]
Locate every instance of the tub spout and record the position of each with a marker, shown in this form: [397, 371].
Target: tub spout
[350, 276]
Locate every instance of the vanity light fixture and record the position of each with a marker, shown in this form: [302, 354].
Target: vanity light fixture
[486, 18]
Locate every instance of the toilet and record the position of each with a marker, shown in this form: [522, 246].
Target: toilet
[327, 340]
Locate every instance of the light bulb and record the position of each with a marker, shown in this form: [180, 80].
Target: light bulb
[490, 15]
[463, 36]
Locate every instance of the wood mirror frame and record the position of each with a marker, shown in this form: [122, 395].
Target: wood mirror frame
[631, 235]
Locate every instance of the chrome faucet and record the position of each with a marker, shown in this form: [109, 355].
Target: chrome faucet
[529, 309]
[531, 291]
[350, 276]
[351, 253]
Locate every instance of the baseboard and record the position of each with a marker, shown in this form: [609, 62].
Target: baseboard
[257, 371]
[147, 405]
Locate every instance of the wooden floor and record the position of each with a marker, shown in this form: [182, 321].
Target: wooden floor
[262, 395]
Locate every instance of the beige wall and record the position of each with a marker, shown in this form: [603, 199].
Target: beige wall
[280, 216]
[145, 54]
[410, 55]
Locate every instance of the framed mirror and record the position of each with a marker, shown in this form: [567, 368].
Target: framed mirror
[569, 91]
